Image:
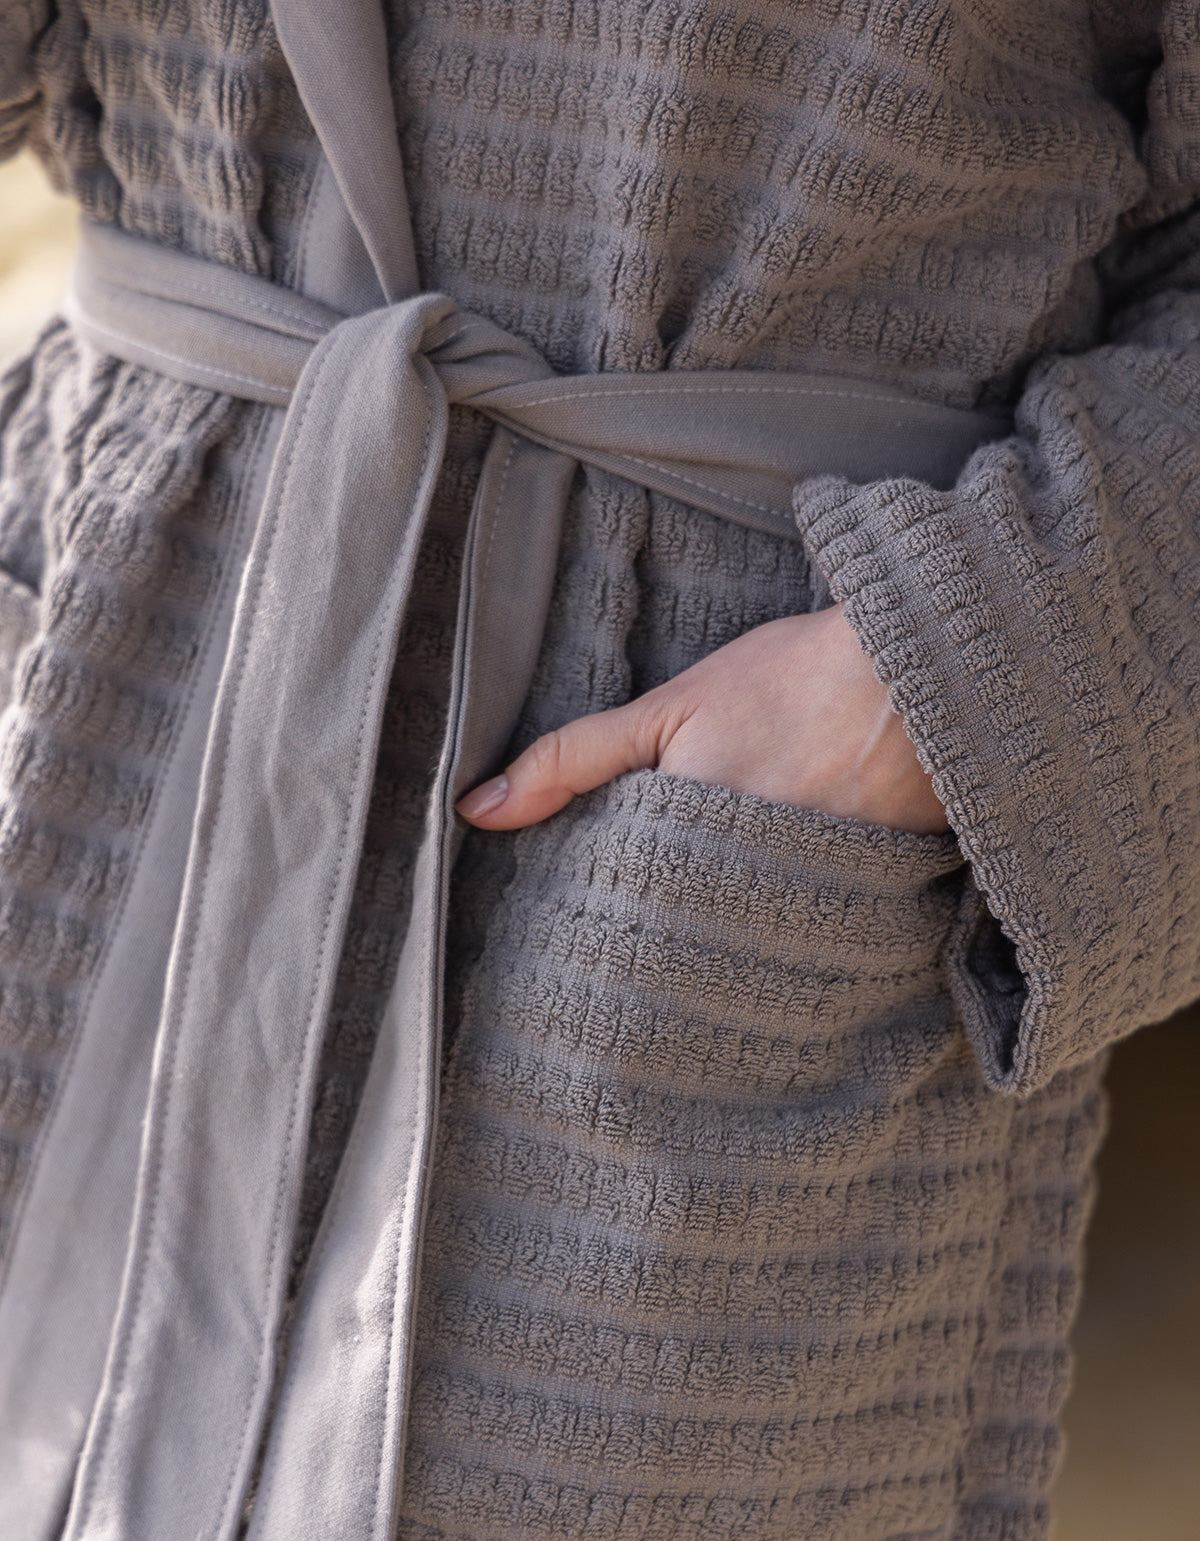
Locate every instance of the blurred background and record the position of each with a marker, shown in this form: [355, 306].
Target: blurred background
[1132, 1469]
[37, 234]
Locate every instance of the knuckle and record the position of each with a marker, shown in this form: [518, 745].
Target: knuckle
[546, 756]
[645, 722]
[655, 719]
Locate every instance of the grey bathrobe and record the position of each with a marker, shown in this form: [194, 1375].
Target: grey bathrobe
[765, 1139]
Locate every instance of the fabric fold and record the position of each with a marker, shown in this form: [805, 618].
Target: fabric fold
[283, 794]
[281, 807]
[707, 1086]
[1035, 625]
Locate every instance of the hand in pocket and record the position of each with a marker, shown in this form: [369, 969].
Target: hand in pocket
[791, 711]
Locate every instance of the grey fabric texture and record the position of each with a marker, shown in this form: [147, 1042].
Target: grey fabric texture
[61, 1282]
[931, 199]
[283, 796]
[726, 1235]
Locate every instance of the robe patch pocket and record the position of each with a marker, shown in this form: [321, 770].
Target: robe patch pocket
[730, 945]
[700, 1213]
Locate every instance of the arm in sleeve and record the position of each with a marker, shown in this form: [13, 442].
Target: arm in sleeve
[1038, 627]
[21, 23]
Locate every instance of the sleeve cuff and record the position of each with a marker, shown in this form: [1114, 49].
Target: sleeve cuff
[938, 605]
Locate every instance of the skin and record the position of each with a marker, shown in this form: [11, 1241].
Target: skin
[791, 711]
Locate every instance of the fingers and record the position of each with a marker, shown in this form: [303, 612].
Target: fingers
[584, 754]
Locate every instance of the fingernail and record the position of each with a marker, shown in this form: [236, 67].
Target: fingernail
[483, 799]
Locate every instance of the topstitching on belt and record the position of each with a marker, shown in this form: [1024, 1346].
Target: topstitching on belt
[173, 1430]
[177, 1425]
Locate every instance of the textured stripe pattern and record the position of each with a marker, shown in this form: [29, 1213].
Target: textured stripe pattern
[118, 574]
[713, 1244]
[732, 1234]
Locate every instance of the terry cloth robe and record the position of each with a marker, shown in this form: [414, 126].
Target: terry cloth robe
[765, 1139]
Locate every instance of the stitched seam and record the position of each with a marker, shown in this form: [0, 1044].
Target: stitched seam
[320, 1248]
[739, 390]
[422, 1072]
[187, 286]
[462, 331]
[138, 1269]
[512, 421]
[690, 481]
[304, 234]
[422, 1069]
[188, 363]
[124, 901]
[499, 504]
[289, 1136]
[337, 1198]
[311, 1016]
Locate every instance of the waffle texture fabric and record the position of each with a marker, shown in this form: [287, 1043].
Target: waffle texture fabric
[767, 1139]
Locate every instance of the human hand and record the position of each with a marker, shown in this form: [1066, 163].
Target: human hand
[791, 711]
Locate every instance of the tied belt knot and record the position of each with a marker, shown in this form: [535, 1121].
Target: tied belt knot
[190, 1392]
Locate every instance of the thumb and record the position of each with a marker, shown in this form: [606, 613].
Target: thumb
[575, 758]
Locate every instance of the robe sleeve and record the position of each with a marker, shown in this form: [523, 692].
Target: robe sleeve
[1038, 627]
[21, 23]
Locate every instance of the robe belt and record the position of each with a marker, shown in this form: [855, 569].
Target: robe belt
[191, 1385]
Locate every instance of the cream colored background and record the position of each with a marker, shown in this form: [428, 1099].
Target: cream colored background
[37, 231]
[1132, 1471]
